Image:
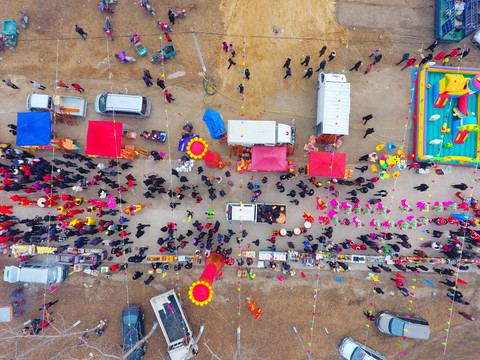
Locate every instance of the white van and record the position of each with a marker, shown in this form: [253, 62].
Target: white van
[123, 105]
[40, 273]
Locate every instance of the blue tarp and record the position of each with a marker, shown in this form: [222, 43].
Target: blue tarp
[34, 129]
[214, 123]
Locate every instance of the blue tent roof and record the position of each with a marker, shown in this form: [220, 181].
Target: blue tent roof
[214, 123]
[34, 129]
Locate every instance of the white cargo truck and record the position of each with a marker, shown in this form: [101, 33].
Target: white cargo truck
[174, 325]
[75, 106]
[259, 132]
[333, 104]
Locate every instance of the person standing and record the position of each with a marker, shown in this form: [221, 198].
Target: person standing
[368, 69]
[80, 31]
[405, 57]
[225, 46]
[231, 62]
[37, 85]
[410, 62]
[167, 36]
[169, 96]
[161, 84]
[78, 88]
[366, 118]
[147, 81]
[146, 72]
[232, 50]
[332, 56]
[287, 63]
[322, 51]
[247, 74]
[288, 73]
[377, 59]
[432, 46]
[425, 59]
[61, 84]
[171, 16]
[375, 53]
[368, 132]
[357, 65]
[308, 73]
[306, 61]
[464, 53]
[322, 65]
[10, 84]
[241, 88]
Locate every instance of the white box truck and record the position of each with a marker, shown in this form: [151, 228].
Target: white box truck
[76, 106]
[256, 213]
[333, 104]
[174, 325]
[259, 132]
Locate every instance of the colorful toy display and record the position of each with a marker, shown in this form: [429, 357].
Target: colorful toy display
[446, 121]
[201, 292]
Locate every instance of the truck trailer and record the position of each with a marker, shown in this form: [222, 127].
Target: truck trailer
[259, 132]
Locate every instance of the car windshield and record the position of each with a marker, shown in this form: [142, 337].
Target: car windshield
[144, 105]
[396, 327]
[358, 354]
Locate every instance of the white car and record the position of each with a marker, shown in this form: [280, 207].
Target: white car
[352, 350]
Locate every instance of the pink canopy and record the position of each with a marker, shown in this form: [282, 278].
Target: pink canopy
[269, 158]
[327, 164]
[104, 138]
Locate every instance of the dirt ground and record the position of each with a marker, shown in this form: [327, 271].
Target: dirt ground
[270, 31]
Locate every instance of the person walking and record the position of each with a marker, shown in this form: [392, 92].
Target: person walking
[61, 84]
[421, 187]
[169, 96]
[461, 186]
[432, 46]
[426, 59]
[368, 69]
[322, 51]
[332, 56]
[323, 63]
[10, 84]
[232, 50]
[375, 53]
[146, 72]
[377, 59]
[368, 132]
[288, 73]
[247, 74]
[147, 81]
[410, 62]
[308, 73]
[231, 62]
[464, 54]
[287, 63]
[161, 84]
[369, 316]
[306, 61]
[171, 16]
[80, 31]
[167, 36]
[241, 88]
[78, 88]
[225, 46]
[405, 57]
[366, 118]
[357, 65]
[37, 85]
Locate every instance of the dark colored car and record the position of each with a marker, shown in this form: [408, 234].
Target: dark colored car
[134, 332]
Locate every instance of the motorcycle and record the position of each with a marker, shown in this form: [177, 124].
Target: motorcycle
[180, 14]
[164, 26]
[155, 156]
[105, 8]
[101, 327]
[154, 135]
[23, 20]
[146, 4]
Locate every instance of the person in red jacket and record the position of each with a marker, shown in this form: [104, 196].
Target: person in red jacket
[410, 62]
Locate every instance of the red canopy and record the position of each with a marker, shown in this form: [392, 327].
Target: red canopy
[104, 138]
[269, 158]
[327, 164]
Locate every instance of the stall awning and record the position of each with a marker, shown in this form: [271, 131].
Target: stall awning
[104, 138]
[269, 158]
[327, 164]
[34, 129]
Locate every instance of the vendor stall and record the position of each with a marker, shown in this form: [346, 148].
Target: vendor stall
[327, 164]
[104, 139]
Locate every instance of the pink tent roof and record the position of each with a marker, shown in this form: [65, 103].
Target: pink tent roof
[104, 138]
[269, 158]
[327, 164]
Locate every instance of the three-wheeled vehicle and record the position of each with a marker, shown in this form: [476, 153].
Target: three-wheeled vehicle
[135, 39]
[164, 53]
[9, 32]
[155, 135]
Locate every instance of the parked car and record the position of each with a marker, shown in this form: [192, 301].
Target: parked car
[353, 350]
[410, 327]
[476, 39]
[132, 334]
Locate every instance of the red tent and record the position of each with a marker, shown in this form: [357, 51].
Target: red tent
[104, 138]
[269, 158]
[327, 164]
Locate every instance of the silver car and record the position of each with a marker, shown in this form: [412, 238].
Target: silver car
[408, 326]
[353, 350]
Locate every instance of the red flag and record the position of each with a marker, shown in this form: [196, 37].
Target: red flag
[460, 281]
[400, 276]
[303, 275]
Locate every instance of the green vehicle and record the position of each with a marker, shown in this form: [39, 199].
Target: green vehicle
[165, 52]
[9, 32]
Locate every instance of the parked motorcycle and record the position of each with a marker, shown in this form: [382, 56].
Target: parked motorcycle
[105, 8]
[101, 327]
[155, 156]
[164, 26]
[180, 14]
[146, 4]
[23, 20]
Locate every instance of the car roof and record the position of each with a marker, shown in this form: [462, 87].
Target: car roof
[416, 331]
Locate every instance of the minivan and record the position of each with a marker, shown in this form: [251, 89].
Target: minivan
[123, 105]
[353, 350]
[407, 326]
[40, 273]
